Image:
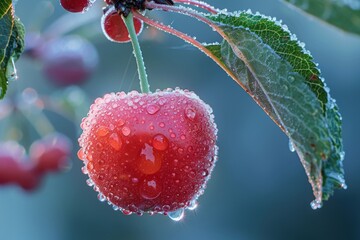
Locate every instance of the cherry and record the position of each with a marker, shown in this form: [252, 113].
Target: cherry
[51, 153]
[69, 60]
[15, 167]
[149, 152]
[114, 27]
[75, 5]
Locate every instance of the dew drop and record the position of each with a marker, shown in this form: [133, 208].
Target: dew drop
[204, 173]
[183, 137]
[125, 131]
[316, 204]
[344, 186]
[161, 124]
[150, 189]
[190, 113]
[192, 205]
[291, 146]
[160, 142]
[149, 160]
[90, 166]
[101, 197]
[176, 215]
[126, 212]
[102, 131]
[115, 142]
[291, 78]
[152, 109]
[173, 135]
[84, 170]
[81, 154]
[90, 182]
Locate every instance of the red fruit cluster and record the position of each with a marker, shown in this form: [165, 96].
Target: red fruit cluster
[49, 154]
[149, 152]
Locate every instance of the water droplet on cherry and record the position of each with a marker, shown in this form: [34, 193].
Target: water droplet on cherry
[150, 189]
[125, 131]
[152, 109]
[176, 215]
[160, 142]
[115, 142]
[190, 113]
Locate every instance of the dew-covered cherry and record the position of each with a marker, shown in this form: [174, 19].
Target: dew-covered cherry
[69, 60]
[76, 6]
[149, 152]
[51, 153]
[15, 167]
[114, 27]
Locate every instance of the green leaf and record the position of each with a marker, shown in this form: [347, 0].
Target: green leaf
[343, 14]
[11, 44]
[279, 74]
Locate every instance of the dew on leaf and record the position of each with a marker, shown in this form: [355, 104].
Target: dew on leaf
[291, 146]
[316, 204]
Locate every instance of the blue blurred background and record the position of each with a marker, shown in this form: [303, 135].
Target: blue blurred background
[258, 190]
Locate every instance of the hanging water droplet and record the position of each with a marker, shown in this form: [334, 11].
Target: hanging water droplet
[344, 186]
[177, 215]
[152, 108]
[84, 170]
[90, 182]
[291, 146]
[316, 204]
[192, 205]
[81, 154]
[101, 197]
[126, 212]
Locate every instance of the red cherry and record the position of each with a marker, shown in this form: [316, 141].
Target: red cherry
[15, 167]
[114, 27]
[149, 152]
[108, 2]
[69, 60]
[51, 153]
[75, 5]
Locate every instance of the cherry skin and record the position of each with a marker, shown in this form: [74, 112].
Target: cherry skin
[149, 152]
[51, 153]
[114, 27]
[75, 6]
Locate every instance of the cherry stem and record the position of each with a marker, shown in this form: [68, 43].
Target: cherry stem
[129, 22]
[186, 38]
[38, 120]
[199, 4]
